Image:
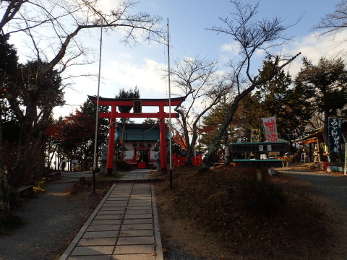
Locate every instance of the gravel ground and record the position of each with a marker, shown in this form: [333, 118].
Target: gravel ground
[51, 221]
[333, 187]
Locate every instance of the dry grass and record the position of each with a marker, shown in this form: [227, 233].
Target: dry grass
[234, 215]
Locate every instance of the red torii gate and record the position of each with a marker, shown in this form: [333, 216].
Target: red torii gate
[137, 104]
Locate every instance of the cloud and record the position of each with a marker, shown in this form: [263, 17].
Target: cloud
[148, 75]
[232, 47]
[108, 5]
[314, 46]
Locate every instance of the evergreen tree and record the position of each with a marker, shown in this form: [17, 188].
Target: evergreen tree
[289, 103]
[130, 94]
[327, 81]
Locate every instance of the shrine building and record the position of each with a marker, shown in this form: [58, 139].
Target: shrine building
[138, 144]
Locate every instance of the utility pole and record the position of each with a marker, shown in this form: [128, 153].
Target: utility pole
[97, 113]
[169, 83]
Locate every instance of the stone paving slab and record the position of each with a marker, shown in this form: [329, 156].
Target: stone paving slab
[139, 206]
[108, 217]
[110, 241]
[103, 227]
[134, 249]
[135, 241]
[137, 226]
[145, 210]
[92, 250]
[100, 234]
[137, 216]
[124, 226]
[107, 222]
[94, 257]
[110, 212]
[143, 175]
[138, 221]
[112, 208]
[133, 257]
[135, 233]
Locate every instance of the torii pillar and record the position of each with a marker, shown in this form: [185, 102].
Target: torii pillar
[110, 147]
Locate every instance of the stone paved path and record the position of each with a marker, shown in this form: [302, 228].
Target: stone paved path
[124, 226]
[137, 175]
[78, 174]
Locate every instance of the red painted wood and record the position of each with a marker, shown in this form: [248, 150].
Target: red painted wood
[141, 115]
[153, 102]
[143, 103]
[161, 103]
[110, 148]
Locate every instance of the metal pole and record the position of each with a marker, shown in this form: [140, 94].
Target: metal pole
[345, 166]
[169, 82]
[97, 113]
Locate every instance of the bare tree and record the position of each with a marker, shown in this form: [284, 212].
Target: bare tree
[251, 36]
[53, 25]
[335, 21]
[197, 80]
[52, 28]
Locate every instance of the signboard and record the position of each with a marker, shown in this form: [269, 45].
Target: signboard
[270, 129]
[269, 148]
[335, 134]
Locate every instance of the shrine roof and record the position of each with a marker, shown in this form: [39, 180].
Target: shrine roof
[138, 132]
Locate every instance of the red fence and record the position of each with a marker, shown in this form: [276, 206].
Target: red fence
[181, 160]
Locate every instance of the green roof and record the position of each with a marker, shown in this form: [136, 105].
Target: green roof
[262, 143]
[252, 160]
[139, 132]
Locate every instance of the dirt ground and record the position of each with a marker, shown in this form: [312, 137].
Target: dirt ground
[309, 167]
[181, 235]
[51, 220]
[183, 238]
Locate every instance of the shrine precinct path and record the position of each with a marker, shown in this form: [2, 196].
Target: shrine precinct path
[124, 226]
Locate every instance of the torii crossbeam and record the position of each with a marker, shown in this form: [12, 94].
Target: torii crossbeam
[137, 105]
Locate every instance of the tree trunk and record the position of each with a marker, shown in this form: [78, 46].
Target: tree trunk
[213, 146]
[4, 188]
[191, 149]
[325, 130]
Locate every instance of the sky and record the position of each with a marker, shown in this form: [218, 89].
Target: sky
[143, 64]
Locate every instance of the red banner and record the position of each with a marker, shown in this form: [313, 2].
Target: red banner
[270, 129]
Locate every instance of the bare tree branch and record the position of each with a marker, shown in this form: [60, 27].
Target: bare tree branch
[11, 10]
[197, 79]
[334, 21]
